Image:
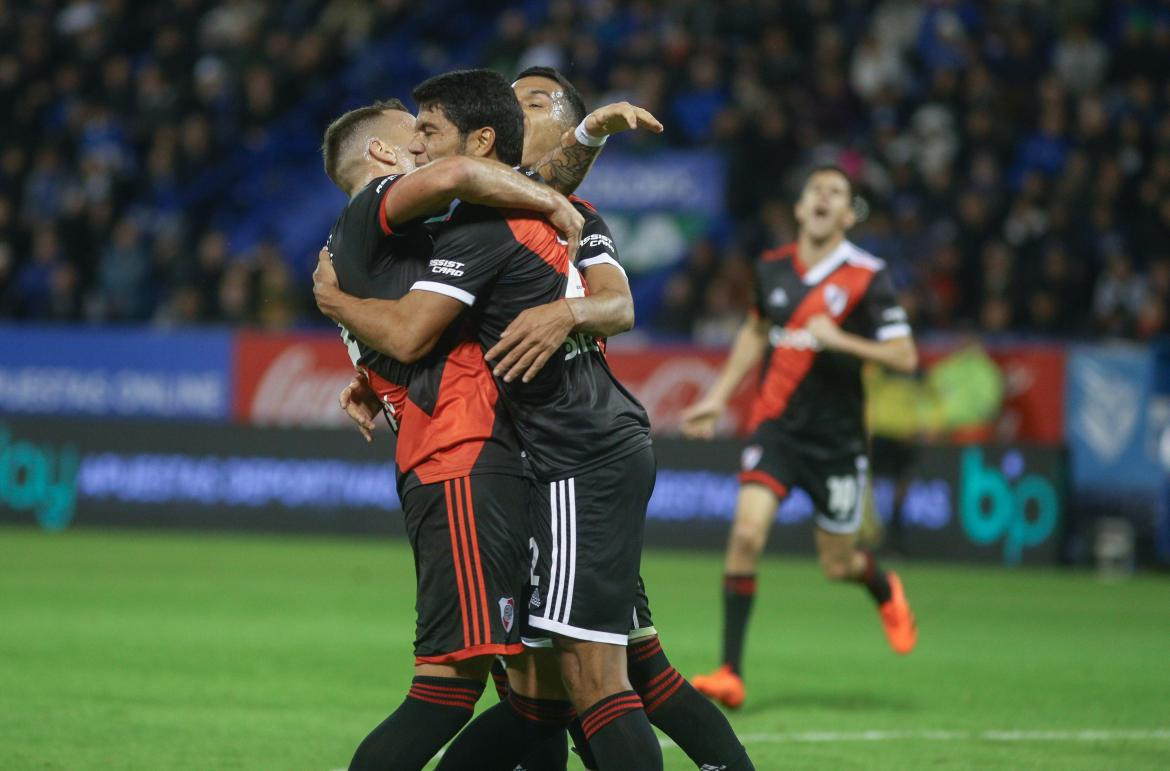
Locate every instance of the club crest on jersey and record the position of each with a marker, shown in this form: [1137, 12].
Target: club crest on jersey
[751, 456]
[836, 298]
[507, 612]
[778, 298]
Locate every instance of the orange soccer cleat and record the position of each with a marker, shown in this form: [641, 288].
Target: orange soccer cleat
[897, 618]
[722, 685]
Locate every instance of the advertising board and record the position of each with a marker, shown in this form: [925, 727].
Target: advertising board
[1002, 504]
[114, 372]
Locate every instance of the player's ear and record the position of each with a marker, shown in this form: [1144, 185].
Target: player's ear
[481, 142]
[383, 152]
[851, 216]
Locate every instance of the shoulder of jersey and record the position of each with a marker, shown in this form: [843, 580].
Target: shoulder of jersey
[860, 258]
[581, 203]
[785, 252]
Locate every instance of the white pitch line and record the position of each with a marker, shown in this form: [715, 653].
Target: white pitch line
[822, 737]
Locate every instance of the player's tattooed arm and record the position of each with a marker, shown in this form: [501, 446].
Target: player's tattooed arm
[432, 188]
[565, 167]
[700, 420]
[537, 333]
[405, 329]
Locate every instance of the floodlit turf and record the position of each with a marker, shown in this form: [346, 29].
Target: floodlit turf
[147, 651]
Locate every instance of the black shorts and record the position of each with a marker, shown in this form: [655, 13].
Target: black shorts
[586, 549]
[468, 537]
[835, 484]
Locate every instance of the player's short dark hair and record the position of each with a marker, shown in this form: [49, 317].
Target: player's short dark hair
[342, 131]
[474, 99]
[829, 167]
[572, 95]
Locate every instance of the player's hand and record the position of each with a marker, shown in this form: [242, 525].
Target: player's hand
[825, 330]
[361, 404]
[618, 117]
[325, 283]
[568, 222]
[701, 418]
[530, 340]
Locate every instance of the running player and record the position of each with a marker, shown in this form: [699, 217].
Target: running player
[460, 475]
[587, 540]
[822, 308]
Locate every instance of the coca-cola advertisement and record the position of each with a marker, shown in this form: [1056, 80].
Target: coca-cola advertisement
[290, 379]
[294, 379]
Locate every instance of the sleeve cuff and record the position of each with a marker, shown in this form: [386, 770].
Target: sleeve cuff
[892, 331]
[463, 296]
[598, 260]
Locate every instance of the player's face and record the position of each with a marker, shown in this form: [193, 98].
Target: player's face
[825, 208]
[435, 136]
[545, 115]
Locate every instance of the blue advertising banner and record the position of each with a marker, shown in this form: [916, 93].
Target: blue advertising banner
[680, 180]
[115, 372]
[1113, 422]
[656, 206]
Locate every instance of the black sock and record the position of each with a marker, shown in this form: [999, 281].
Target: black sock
[434, 711]
[738, 593]
[875, 581]
[502, 736]
[500, 679]
[620, 735]
[682, 713]
[581, 745]
[552, 754]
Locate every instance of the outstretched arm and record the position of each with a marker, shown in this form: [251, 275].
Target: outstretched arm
[405, 329]
[566, 166]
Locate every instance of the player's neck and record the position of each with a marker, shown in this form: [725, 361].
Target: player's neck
[371, 175]
[811, 250]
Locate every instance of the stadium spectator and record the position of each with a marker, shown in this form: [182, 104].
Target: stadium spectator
[1042, 129]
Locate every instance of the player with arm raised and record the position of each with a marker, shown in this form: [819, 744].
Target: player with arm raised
[487, 267]
[552, 108]
[823, 307]
[460, 475]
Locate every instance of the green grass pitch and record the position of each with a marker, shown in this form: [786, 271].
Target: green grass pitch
[150, 651]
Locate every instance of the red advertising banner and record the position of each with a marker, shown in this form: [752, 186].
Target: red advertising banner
[667, 380]
[289, 379]
[294, 379]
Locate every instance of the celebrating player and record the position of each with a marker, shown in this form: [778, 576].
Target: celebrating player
[822, 308]
[587, 540]
[552, 107]
[460, 476]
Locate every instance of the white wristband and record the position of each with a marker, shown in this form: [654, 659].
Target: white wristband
[587, 139]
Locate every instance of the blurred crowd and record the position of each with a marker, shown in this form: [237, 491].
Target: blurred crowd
[110, 108]
[1012, 157]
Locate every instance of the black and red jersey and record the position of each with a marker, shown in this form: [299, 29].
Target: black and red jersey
[445, 408]
[574, 415]
[810, 396]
